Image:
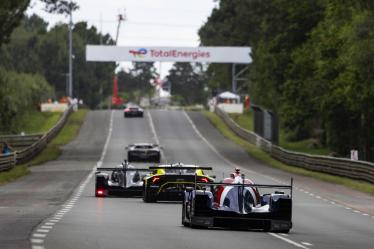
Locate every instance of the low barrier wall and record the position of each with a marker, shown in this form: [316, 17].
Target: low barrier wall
[359, 170]
[30, 145]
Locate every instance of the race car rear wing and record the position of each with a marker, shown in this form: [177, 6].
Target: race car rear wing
[179, 167]
[151, 168]
[125, 167]
[289, 187]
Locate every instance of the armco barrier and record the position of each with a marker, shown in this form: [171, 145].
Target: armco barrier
[359, 170]
[30, 146]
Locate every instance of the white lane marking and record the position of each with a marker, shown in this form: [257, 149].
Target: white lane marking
[356, 211]
[288, 241]
[348, 208]
[37, 241]
[365, 214]
[306, 243]
[71, 202]
[37, 247]
[39, 235]
[46, 227]
[153, 130]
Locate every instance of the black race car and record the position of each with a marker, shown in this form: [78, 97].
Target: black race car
[144, 152]
[168, 182]
[238, 205]
[123, 180]
[133, 111]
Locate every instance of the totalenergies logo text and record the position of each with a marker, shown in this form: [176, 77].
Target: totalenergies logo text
[140, 53]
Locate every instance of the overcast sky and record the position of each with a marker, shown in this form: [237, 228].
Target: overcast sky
[148, 22]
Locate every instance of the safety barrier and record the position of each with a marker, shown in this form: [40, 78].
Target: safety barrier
[359, 170]
[28, 146]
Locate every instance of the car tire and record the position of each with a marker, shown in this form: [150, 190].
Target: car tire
[184, 223]
[148, 198]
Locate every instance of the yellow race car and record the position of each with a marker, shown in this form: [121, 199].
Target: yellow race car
[168, 182]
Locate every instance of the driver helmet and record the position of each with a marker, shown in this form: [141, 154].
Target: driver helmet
[237, 171]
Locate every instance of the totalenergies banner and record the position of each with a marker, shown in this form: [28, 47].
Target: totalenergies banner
[169, 54]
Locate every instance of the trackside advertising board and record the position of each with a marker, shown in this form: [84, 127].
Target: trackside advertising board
[169, 54]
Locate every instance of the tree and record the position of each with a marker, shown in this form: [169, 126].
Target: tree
[137, 81]
[35, 50]
[30, 90]
[188, 83]
[12, 12]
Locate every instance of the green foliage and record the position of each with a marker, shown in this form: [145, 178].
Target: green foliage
[188, 83]
[18, 94]
[137, 82]
[34, 49]
[312, 63]
[11, 13]
[38, 122]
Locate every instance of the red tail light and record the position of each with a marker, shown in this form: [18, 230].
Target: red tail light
[155, 179]
[127, 110]
[100, 192]
[204, 179]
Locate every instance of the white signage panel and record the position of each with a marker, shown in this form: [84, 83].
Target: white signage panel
[169, 54]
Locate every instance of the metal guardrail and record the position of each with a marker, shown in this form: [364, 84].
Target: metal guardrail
[359, 170]
[30, 145]
[19, 142]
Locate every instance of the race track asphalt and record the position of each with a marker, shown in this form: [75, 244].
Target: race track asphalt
[324, 215]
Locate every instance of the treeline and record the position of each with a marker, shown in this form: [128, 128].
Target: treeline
[313, 63]
[40, 54]
[137, 82]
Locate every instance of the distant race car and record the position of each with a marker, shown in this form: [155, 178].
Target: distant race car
[237, 204]
[168, 182]
[144, 152]
[133, 111]
[122, 180]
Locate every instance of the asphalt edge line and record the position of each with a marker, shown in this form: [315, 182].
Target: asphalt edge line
[153, 130]
[38, 236]
[289, 241]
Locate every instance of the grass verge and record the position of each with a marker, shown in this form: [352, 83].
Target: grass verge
[266, 158]
[39, 122]
[308, 146]
[52, 151]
